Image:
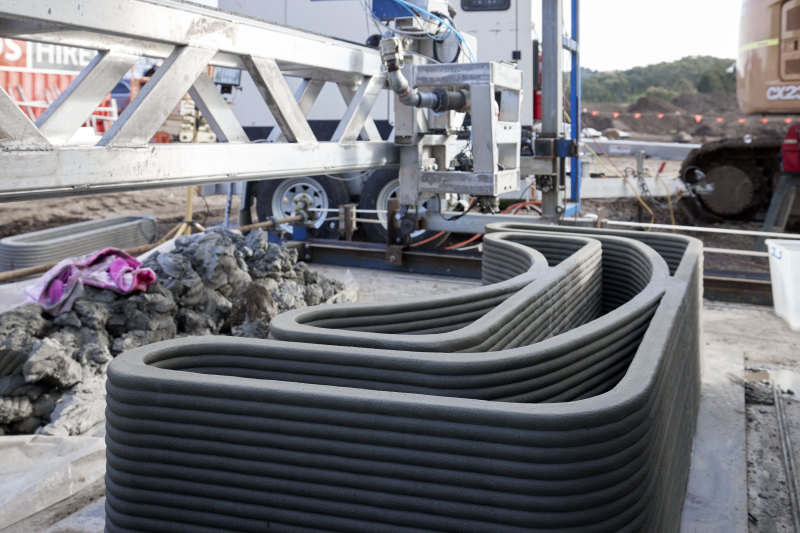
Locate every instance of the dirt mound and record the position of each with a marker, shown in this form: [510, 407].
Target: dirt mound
[599, 122]
[648, 104]
[704, 116]
[650, 123]
[771, 133]
[707, 131]
[712, 103]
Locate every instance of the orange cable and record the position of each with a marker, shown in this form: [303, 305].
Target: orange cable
[460, 244]
[429, 239]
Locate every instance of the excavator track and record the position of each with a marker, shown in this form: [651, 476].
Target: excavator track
[741, 176]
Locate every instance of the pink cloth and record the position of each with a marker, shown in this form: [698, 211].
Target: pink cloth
[109, 268]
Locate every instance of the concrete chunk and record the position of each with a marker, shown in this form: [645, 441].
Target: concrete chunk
[49, 363]
[14, 408]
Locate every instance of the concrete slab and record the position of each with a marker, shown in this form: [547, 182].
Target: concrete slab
[614, 187]
[735, 482]
[90, 519]
[37, 471]
[383, 285]
[763, 338]
[716, 497]
[83, 512]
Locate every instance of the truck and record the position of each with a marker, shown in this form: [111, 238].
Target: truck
[739, 177]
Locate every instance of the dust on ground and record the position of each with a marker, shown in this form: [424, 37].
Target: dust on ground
[632, 210]
[771, 353]
[168, 205]
[679, 117]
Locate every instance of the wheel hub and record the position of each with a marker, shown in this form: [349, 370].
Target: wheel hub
[300, 194]
[390, 191]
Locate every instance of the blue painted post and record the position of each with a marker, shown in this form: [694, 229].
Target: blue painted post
[575, 104]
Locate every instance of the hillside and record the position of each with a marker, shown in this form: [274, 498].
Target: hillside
[703, 74]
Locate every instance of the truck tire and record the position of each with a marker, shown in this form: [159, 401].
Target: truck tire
[381, 186]
[277, 197]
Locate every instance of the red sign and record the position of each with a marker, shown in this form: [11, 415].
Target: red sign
[13, 53]
[24, 56]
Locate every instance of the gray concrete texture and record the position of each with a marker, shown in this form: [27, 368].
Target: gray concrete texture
[737, 481]
[571, 404]
[717, 494]
[52, 369]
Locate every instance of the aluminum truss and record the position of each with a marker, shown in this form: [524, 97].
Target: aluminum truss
[37, 161]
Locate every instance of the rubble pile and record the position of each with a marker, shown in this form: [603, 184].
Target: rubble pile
[52, 369]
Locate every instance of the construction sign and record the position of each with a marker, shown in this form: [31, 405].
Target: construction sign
[26, 56]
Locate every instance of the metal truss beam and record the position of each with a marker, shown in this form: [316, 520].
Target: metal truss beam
[16, 129]
[358, 109]
[142, 118]
[87, 170]
[280, 100]
[216, 110]
[306, 94]
[370, 130]
[154, 27]
[76, 103]
[191, 38]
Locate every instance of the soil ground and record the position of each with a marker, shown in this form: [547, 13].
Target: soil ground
[720, 118]
[770, 352]
[168, 206]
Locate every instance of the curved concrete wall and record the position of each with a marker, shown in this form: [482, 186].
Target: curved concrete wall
[579, 421]
[54, 244]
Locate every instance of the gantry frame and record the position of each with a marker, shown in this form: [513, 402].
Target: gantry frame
[36, 159]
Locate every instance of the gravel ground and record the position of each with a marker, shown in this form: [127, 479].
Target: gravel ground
[771, 353]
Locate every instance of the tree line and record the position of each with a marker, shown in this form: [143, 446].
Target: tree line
[691, 74]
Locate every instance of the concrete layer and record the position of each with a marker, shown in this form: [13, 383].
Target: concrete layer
[331, 435]
[728, 332]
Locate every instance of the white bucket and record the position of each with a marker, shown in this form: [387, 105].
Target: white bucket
[784, 268]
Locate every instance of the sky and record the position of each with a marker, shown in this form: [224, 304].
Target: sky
[620, 34]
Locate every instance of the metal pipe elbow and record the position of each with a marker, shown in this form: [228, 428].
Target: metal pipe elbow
[399, 84]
